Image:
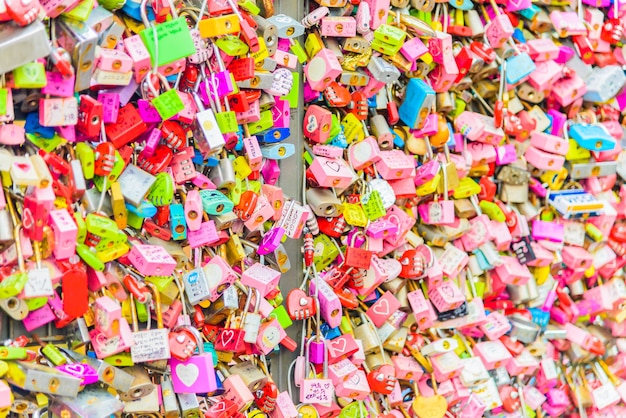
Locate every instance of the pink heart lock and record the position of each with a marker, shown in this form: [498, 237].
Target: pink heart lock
[80, 370]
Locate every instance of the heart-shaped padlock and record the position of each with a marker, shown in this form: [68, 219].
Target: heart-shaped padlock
[299, 305]
[158, 161]
[382, 379]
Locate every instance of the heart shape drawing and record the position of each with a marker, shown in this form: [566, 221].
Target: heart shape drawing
[393, 267]
[219, 407]
[23, 166]
[382, 307]
[227, 336]
[338, 346]
[312, 124]
[187, 373]
[333, 165]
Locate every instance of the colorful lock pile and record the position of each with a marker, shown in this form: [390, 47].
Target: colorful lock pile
[142, 221]
[462, 209]
[466, 236]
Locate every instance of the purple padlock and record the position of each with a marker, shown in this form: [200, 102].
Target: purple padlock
[148, 112]
[80, 370]
[271, 241]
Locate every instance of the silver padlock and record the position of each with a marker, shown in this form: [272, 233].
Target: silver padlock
[148, 404]
[16, 308]
[23, 44]
[108, 374]
[38, 378]
[141, 387]
[189, 405]
[91, 200]
[6, 226]
[323, 202]
[269, 33]
[196, 286]
[513, 193]
[252, 376]
[170, 403]
[223, 175]
[80, 41]
[135, 184]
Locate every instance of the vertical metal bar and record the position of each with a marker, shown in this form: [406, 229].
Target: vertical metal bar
[291, 181]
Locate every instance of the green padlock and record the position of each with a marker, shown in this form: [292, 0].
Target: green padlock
[119, 238]
[373, 205]
[294, 94]
[174, 41]
[325, 252]
[4, 94]
[36, 303]
[297, 49]
[81, 236]
[81, 12]
[135, 221]
[162, 191]
[120, 360]
[390, 35]
[102, 226]
[335, 126]
[227, 122]
[48, 145]
[85, 155]
[88, 257]
[13, 353]
[232, 45]
[168, 104]
[281, 315]
[30, 76]
[235, 193]
[266, 122]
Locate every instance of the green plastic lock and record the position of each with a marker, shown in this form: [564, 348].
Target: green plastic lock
[119, 238]
[352, 410]
[135, 221]
[113, 253]
[120, 360]
[82, 229]
[13, 285]
[308, 158]
[232, 45]
[262, 124]
[30, 76]
[235, 193]
[13, 353]
[385, 48]
[85, 155]
[88, 257]
[168, 104]
[227, 122]
[102, 226]
[162, 191]
[36, 303]
[80, 12]
[4, 93]
[390, 35]
[335, 126]
[325, 252]
[373, 206]
[492, 210]
[47, 145]
[250, 7]
[297, 49]
[459, 107]
[281, 315]
[142, 312]
[294, 94]
[53, 354]
[174, 41]
[161, 282]
[255, 186]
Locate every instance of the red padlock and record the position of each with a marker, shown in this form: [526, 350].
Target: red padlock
[382, 379]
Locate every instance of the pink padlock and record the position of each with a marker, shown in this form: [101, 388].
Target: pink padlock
[340, 348]
[523, 364]
[260, 277]
[329, 303]
[114, 60]
[506, 154]
[395, 164]
[447, 366]
[58, 85]
[205, 235]
[544, 160]
[542, 49]
[262, 212]
[576, 258]
[446, 297]
[65, 233]
[332, 172]
[151, 260]
[545, 74]
[549, 143]
[104, 346]
[569, 89]
[322, 69]
[355, 386]
[107, 315]
[512, 272]
[364, 153]
[422, 310]
[495, 326]
[281, 113]
[382, 309]
[253, 114]
[38, 318]
[317, 122]
[140, 56]
[413, 48]
[551, 231]
[493, 354]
